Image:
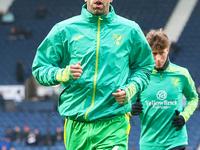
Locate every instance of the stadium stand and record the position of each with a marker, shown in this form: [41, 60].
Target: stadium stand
[149, 14]
[46, 120]
[189, 44]
[43, 118]
[25, 48]
[38, 106]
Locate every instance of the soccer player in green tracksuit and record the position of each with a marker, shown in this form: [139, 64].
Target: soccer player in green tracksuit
[102, 60]
[163, 117]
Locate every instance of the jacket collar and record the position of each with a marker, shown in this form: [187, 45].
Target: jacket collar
[87, 16]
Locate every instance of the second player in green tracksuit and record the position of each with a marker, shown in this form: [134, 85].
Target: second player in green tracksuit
[163, 96]
[163, 117]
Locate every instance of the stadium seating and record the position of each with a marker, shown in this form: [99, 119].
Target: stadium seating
[46, 120]
[36, 120]
[190, 45]
[38, 106]
[148, 14]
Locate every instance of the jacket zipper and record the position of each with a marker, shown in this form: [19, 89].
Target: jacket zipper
[96, 67]
[161, 75]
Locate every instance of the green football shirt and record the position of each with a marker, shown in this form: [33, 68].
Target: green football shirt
[160, 100]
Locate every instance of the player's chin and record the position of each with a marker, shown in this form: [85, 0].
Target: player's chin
[158, 66]
[98, 12]
[121, 102]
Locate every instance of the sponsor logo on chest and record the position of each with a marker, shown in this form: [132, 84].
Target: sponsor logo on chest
[161, 103]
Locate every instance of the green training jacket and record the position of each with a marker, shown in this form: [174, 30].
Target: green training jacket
[111, 49]
[162, 97]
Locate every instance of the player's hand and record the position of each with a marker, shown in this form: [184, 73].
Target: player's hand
[178, 121]
[136, 108]
[69, 73]
[76, 70]
[120, 96]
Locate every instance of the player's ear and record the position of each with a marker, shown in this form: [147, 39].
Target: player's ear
[168, 49]
[86, 1]
[111, 1]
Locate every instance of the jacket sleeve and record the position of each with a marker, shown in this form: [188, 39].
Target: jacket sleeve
[141, 65]
[48, 57]
[191, 95]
